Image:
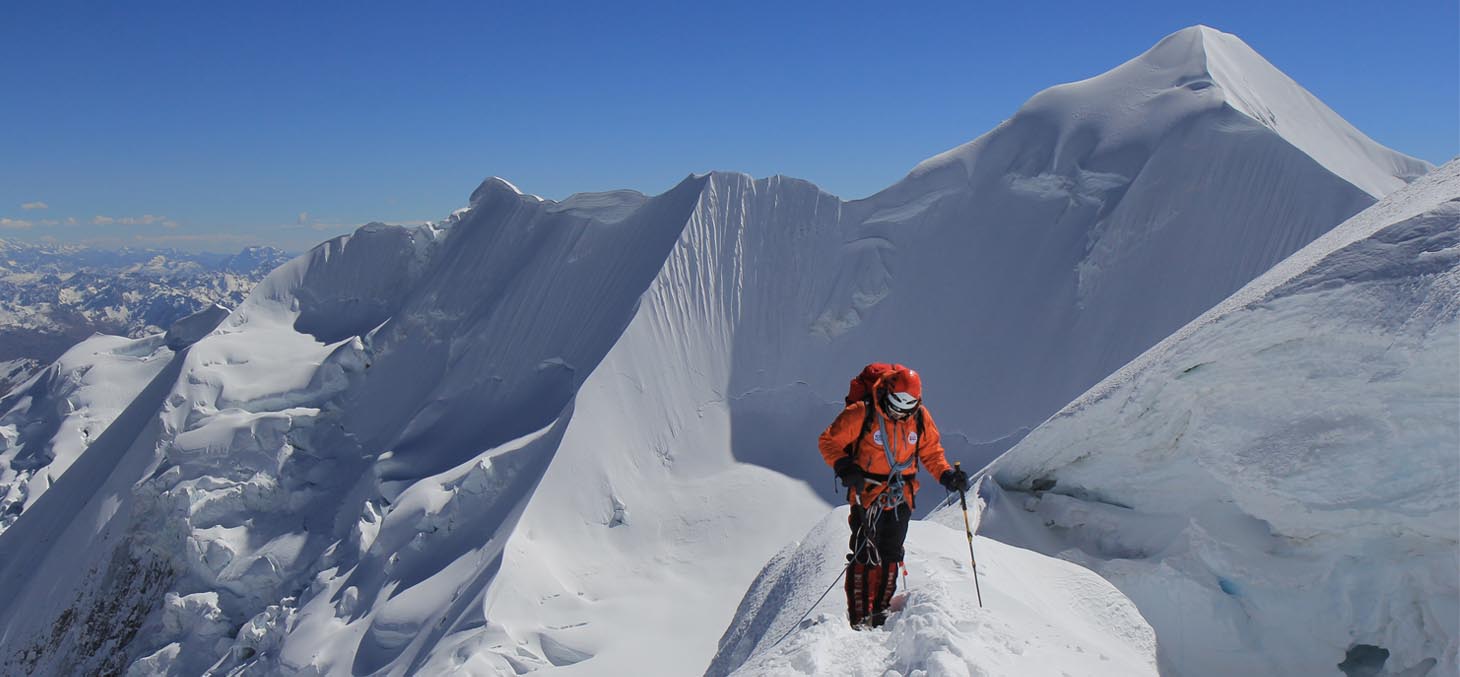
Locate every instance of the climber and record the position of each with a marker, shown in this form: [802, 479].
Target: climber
[874, 446]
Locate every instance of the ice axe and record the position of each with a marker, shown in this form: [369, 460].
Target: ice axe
[968, 529]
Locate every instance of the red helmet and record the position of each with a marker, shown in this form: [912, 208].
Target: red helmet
[903, 390]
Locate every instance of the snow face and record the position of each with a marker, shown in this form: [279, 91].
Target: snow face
[542, 435]
[1277, 484]
[1040, 615]
[1087, 214]
[190, 329]
[292, 472]
[49, 421]
[646, 527]
[1264, 93]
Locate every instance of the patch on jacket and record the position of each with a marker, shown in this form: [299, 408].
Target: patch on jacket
[877, 437]
[912, 437]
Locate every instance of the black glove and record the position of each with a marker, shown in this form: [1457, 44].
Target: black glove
[954, 480]
[851, 474]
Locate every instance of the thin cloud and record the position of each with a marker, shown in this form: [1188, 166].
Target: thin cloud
[34, 205]
[316, 224]
[15, 224]
[201, 237]
[143, 220]
[198, 241]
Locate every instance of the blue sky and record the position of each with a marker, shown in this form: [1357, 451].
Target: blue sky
[210, 125]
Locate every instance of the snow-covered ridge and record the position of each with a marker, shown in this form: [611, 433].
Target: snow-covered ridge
[266, 453]
[1276, 486]
[1039, 616]
[541, 435]
[46, 424]
[1266, 94]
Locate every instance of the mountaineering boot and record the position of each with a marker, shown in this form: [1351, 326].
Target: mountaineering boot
[868, 593]
[886, 586]
[856, 594]
[874, 593]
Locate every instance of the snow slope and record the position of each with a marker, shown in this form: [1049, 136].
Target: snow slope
[1119, 207]
[541, 435]
[1277, 486]
[1040, 616]
[47, 422]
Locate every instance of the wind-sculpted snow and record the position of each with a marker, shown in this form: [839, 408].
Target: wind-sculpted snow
[244, 475]
[544, 435]
[73, 594]
[1267, 95]
[48, 422]
[349, 285]
[1020, 269]
[408, 575]
[1192, 72]
[1277, 485]
[191, 329]
[1040, 616]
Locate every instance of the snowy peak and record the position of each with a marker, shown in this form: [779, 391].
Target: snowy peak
[1256, 88]
[1196, 76]
[1192, 46]
[494, 185]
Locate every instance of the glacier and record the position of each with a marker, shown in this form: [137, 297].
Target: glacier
[1277, 485]
[543, 435]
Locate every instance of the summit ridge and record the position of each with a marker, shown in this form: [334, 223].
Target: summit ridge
[539, 435]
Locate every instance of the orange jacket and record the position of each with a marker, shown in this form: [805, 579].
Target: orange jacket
[871, 457]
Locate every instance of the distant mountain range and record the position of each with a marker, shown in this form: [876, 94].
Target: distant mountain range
[52, 296]
[547, 435]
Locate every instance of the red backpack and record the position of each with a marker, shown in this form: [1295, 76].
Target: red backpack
[861, 391]
[861, 388]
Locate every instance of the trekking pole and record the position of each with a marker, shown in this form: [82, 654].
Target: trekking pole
[968, 529]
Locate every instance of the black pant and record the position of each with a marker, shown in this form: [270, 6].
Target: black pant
[887, 535]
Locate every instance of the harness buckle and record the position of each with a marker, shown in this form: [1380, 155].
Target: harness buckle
[891, 497]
